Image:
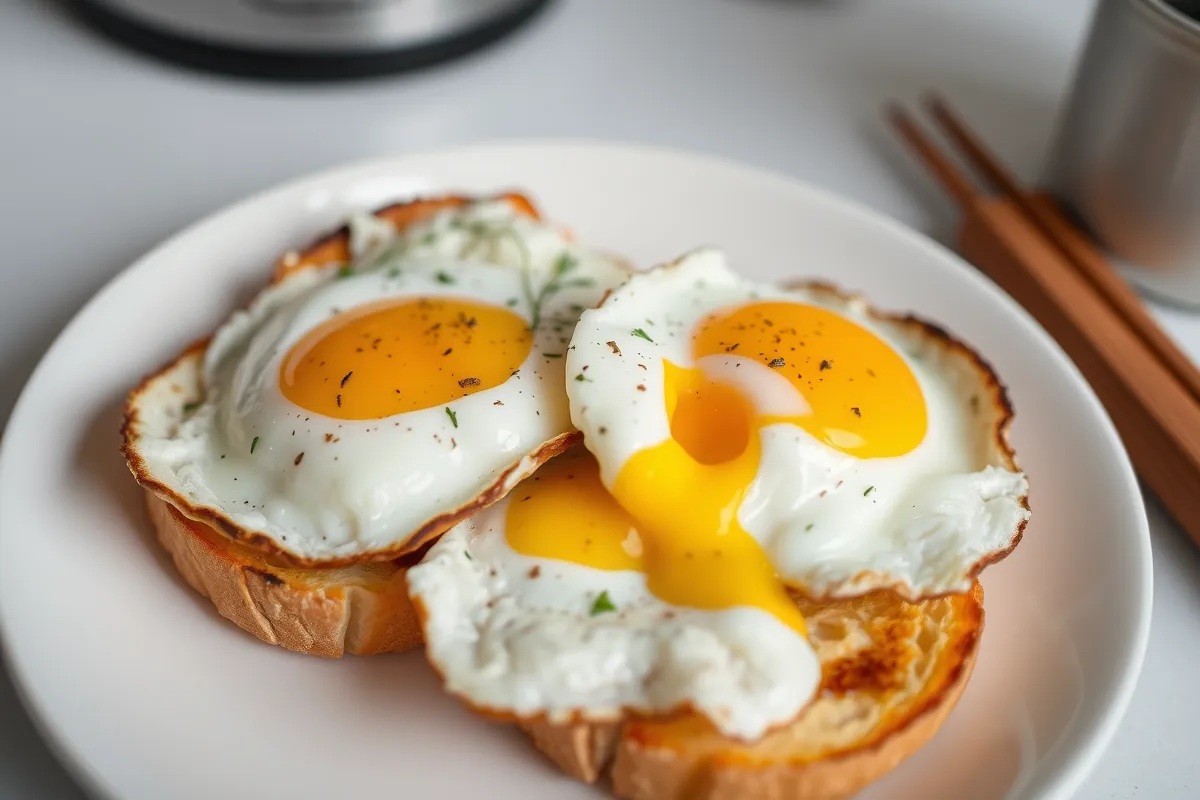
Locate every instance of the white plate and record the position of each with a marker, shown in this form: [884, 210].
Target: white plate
[150, 694]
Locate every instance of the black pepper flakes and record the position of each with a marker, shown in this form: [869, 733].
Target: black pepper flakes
[857, 411]
[299, 458]
[342, 385]
[826, 365]
[465, 382]
[775, 363]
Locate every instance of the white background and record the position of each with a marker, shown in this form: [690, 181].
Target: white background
[104, 153]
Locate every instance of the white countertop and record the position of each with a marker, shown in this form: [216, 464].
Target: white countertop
[103, 154]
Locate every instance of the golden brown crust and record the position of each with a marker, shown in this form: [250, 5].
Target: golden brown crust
[666, 759]
[359, 610]
[328, 249]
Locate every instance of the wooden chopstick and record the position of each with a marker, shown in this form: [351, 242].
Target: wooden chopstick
[956, 184]
[1086, 258]
[1156, 415]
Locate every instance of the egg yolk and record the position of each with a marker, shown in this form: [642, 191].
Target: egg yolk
[396, 356]
[682, 496]
[863, 397]
[564, 512]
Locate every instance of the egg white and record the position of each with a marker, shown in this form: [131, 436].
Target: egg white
[517, 635]
[367, 485]
[835, 525]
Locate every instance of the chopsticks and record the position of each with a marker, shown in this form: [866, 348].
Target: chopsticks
[1054, 224]
[1024, 242]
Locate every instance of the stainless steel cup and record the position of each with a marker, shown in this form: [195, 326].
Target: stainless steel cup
[1126, 159]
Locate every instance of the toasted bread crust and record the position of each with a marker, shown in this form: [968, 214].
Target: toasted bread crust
[641, 773]
[318, 612]
[654, 760]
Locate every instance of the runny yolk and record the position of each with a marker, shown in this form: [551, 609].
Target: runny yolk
[682, 495]
[565, 512]
[395, 356]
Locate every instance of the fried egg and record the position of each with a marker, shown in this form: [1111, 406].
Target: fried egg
[357, 410]
[541, 607]
[764, 438]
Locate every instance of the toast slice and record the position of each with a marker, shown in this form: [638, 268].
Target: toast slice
[891, 673]
[360, 609]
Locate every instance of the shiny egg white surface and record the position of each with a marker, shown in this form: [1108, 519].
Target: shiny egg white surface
[349, 405]
[844, 450]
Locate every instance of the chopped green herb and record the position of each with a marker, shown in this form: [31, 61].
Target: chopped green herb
[453, 417]
[562, 265]
[649, 322]
[345, 271]
[429, 238]
[253, 445]
[468, 555]
[808, 527]
[511, 302]
[394, 272]
[190, 407]
[642, 333]
[581, 378]
[868, 491]
[602, 604]
[565, 263]
[551, 355]
[444, 277]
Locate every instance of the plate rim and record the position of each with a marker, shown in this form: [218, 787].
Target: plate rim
[1063, 783]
